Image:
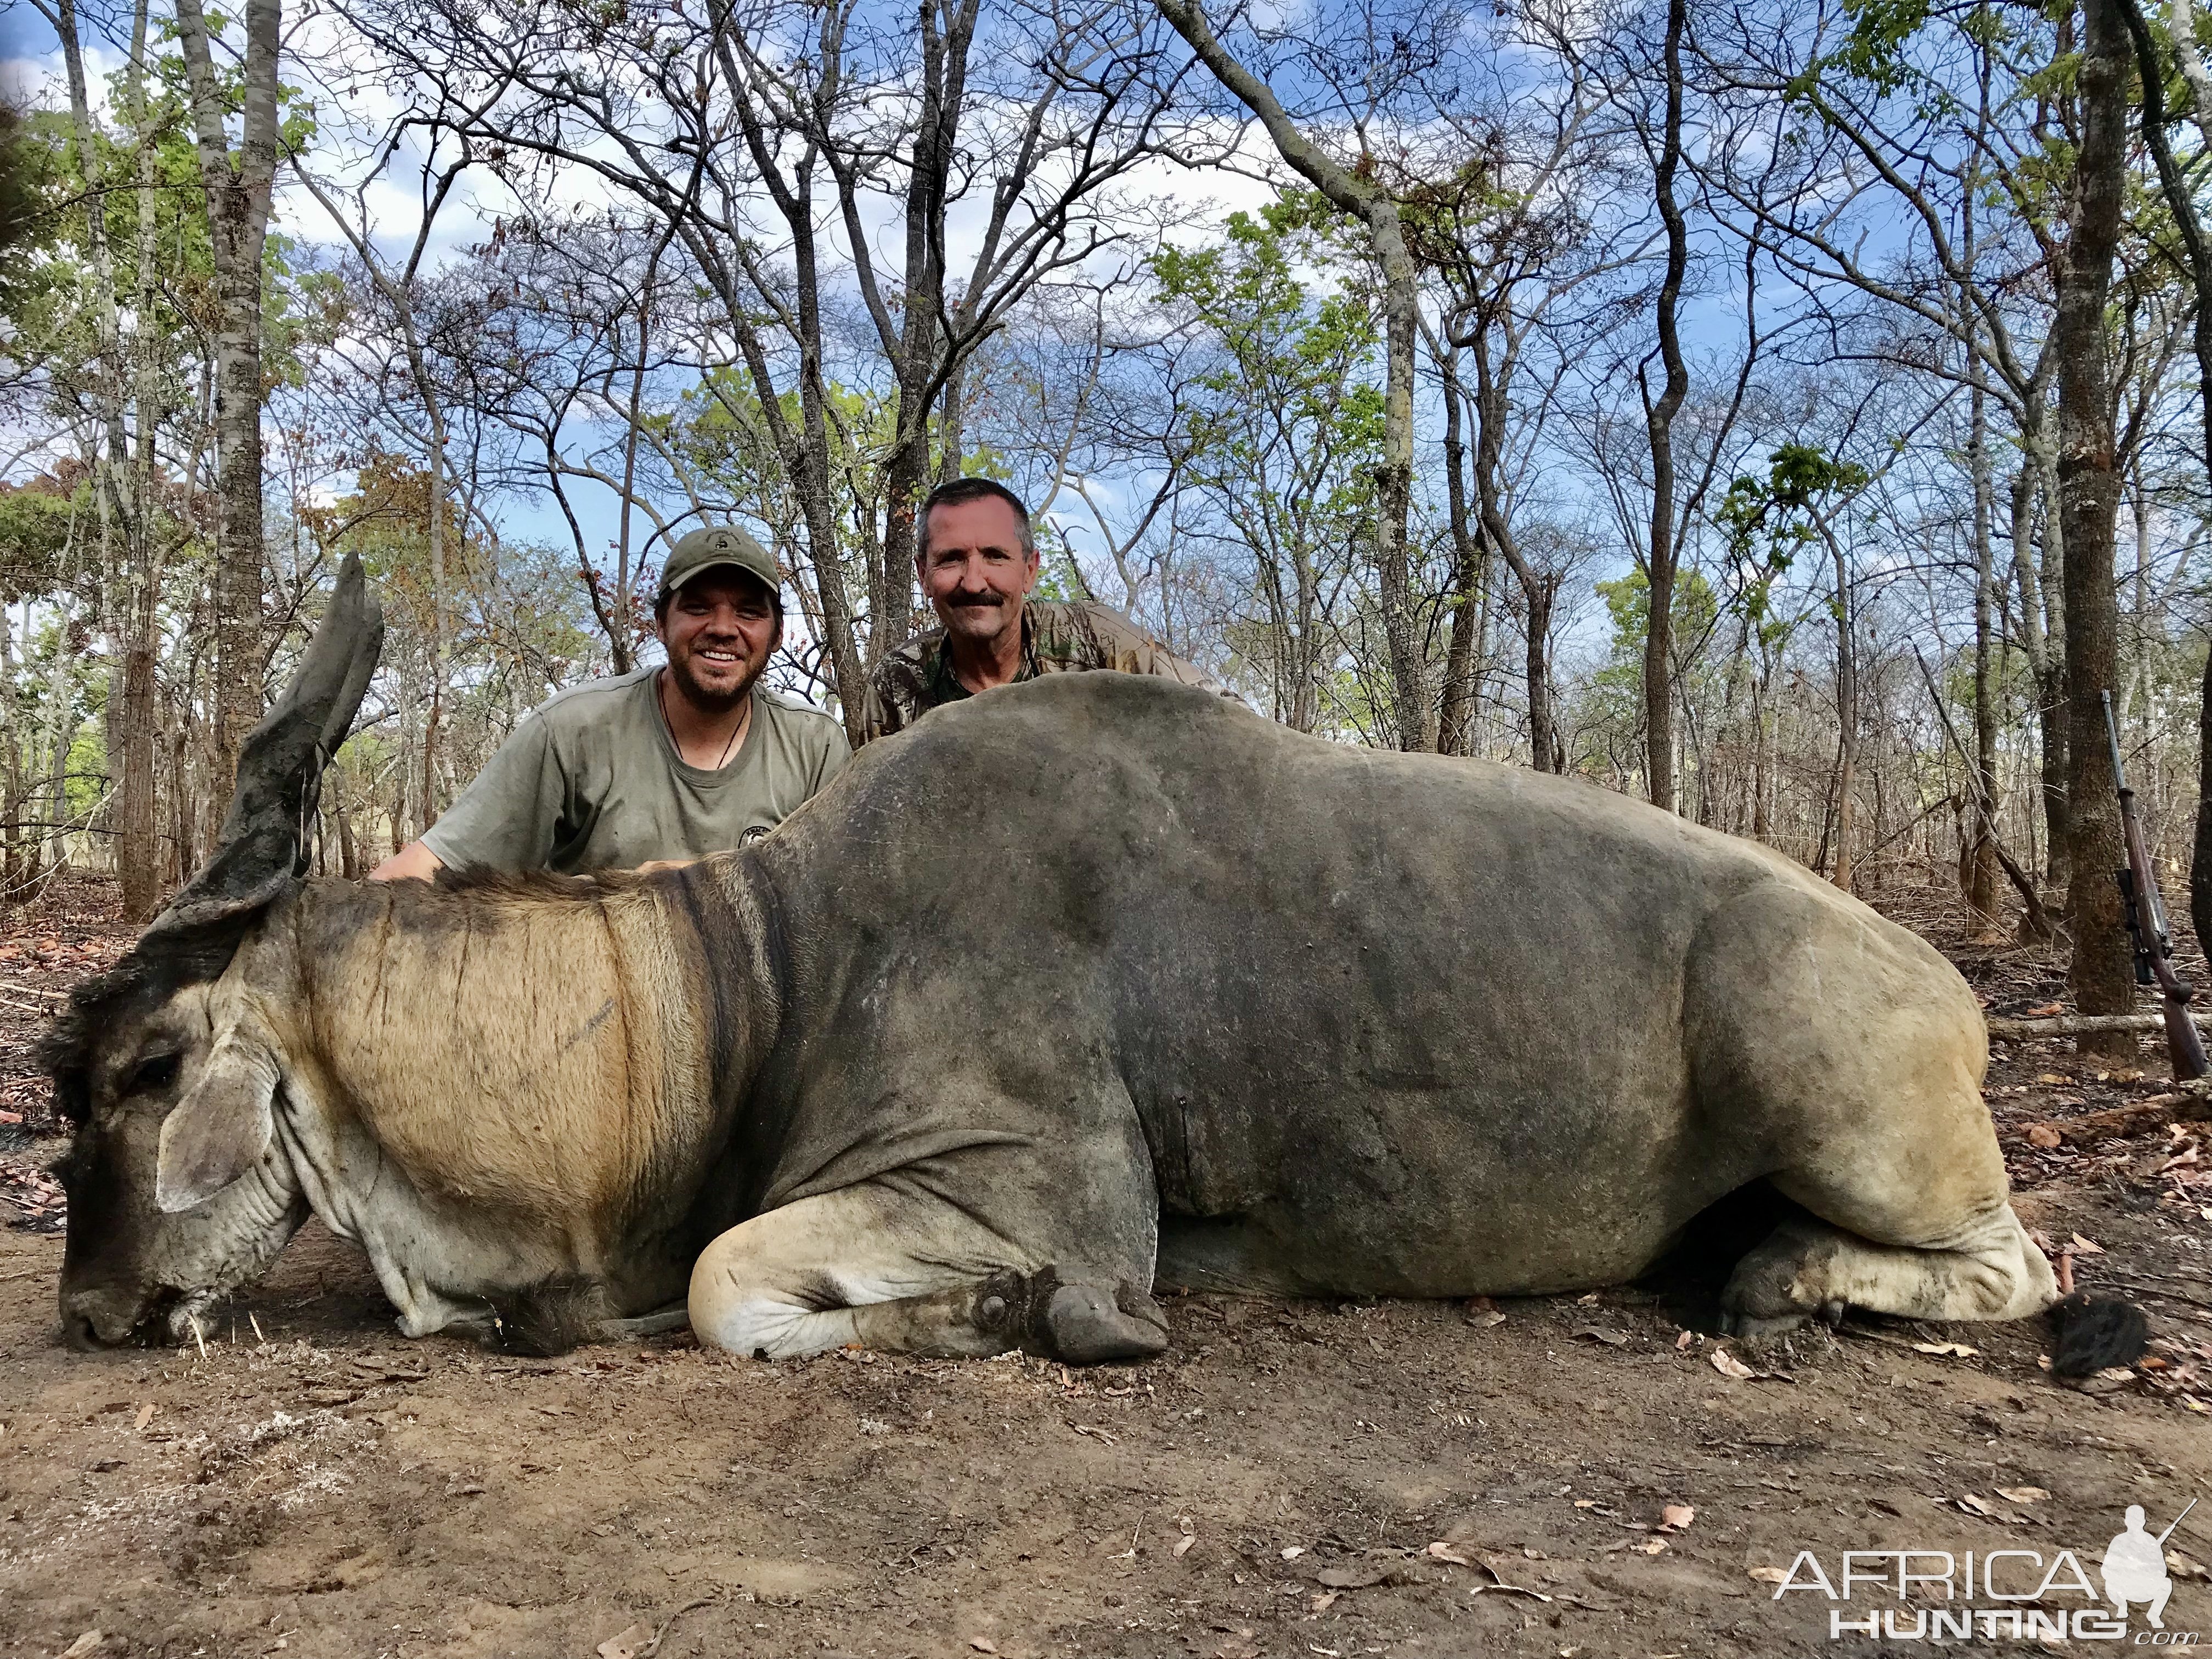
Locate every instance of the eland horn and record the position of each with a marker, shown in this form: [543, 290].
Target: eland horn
[263, 848]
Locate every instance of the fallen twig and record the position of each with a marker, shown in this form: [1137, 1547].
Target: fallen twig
[1498, 1583]
[653, 1646]
[2064, 1025]
[2142, 1289]
[1866, 1335]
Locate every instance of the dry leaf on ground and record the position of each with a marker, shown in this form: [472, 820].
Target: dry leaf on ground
[88, 1643]
[1350, 1578]
[627, 1645]
[1728, 1365]
[1677, 1516]
[2022, 1494]
[1441, 1551]
[1946, 1350]
[1482, 1313]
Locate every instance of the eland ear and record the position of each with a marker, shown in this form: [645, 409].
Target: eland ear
[220, 1130]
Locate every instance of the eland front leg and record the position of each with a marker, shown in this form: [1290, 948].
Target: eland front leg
[909, 1273]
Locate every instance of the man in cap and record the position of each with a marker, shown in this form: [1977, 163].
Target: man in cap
[664, 765]
[977, 560]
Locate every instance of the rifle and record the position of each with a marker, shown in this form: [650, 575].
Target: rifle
[2154, 947]
[2178, 1520]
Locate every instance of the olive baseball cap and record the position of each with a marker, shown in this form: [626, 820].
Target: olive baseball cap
[712, 546]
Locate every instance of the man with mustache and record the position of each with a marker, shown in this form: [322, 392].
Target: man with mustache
[655, 768]
[977, 560]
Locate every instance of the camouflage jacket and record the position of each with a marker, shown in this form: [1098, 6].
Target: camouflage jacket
[1056, 639]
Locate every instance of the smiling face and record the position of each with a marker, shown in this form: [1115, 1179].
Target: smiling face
[177, 1191]
[975, 571]
[721, 627]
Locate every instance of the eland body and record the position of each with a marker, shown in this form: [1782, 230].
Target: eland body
[1080, 987]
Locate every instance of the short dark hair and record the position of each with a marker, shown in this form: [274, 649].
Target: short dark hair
[960, 490]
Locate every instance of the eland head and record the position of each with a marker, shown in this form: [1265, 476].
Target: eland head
[179, 1187]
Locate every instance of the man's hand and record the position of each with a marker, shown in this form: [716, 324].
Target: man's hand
[413, 862]
[651, 864]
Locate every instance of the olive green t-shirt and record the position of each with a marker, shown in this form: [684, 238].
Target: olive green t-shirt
[591, 780]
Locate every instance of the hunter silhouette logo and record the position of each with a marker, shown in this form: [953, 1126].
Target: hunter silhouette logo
[2135, 1567]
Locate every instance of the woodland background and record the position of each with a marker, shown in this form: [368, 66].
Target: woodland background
[1792, 412]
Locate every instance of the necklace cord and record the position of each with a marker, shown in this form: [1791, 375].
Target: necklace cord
[660, 696]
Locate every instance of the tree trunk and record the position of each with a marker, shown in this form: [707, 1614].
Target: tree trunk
[439, 652]
[1762, 825]
[1539, 589]
[1456, 711]
[238, 195]
[2181, 201]
[2051, 793]
[61, 734]
[618, 636]
[1659, 421]
[2055, 721]
[944, 79]
[11, 757]
[110, 455]
[137, 826]
[1981, 876]
[1847, 717]
[180, 862]
[2101, 974]
[1356, 192]
[1546, 752]
[1394, 478]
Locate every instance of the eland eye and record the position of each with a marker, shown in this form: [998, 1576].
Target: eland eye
[158, 1072]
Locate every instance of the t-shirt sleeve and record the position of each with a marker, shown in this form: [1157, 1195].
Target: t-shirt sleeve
[510, 818]
[880, 713]
[835, 751]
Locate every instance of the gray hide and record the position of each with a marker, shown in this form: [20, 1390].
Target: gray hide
[1096, 960]
[1076, 987]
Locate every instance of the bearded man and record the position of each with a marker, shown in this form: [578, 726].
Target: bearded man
[658, 767]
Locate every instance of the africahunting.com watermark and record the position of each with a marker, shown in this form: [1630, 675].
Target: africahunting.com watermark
[2020, 1595]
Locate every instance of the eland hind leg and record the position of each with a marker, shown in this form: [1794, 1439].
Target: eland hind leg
[1853, 1053]
[1812, 1268]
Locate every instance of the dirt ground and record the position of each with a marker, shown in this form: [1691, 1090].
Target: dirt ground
[1292, 1479]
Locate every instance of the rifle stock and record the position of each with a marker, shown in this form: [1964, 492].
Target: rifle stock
[2185, 1044]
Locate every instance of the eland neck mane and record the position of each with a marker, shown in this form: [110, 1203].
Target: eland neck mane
[501, 1085]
